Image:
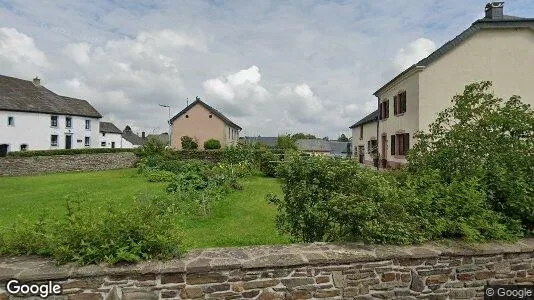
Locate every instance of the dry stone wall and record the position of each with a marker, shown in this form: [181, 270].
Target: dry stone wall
[311, 271]
[19, 166]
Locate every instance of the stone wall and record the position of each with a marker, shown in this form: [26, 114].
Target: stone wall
[19, 166]
[321, 271]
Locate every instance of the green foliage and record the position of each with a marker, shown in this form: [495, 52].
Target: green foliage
[212, 144]
[159, 176]
[301, 135]
[484, 139]
[268, 163]
[286, 142]
[329, 199]
[153, 146]
[66, 152]
[342, 138]
[189, 143]
[87, 234]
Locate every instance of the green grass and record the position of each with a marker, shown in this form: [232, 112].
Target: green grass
[242, 218]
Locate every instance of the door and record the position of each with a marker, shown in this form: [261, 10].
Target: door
[3, 150]
[361, 154]
[112, 144]
[384, 143]
[68, 141]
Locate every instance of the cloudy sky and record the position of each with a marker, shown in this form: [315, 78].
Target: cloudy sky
[271, 66]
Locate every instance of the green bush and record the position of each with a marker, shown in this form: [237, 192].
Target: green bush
[67, 152]
[159, 176]
[268, 163]
[328, 199]
[153, 146]
[212, 144]
[488, 140]
[189, 143]
[87, 234]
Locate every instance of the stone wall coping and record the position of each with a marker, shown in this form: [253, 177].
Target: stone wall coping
[31, 268]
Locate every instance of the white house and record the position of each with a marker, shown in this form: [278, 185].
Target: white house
[130, 139]
[110, 135]
[35, 118]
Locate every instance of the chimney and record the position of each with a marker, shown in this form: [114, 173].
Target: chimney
[37, 81]
[143, 134]
[494, 10]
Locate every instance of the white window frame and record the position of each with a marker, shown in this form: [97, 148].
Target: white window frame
[87, 124]
[52, 140]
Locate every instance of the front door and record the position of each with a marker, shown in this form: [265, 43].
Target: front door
[112, 144]
[68, 141]
[3, 149]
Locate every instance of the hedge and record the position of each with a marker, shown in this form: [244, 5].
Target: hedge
[66, 152]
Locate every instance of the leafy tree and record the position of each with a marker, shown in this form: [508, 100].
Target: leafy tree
[300, 135]
[485, 139]
[286, 142]
[189, 143]
[342, 138]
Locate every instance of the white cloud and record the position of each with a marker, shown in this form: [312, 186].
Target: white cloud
[19, 54]
[78, 52]
[302, 104]
[239, 92]
[415, 51]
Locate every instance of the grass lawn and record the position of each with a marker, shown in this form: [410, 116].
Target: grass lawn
[243, 218]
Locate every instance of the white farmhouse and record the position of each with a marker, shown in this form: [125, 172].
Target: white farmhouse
[110, 136]
[35, 118]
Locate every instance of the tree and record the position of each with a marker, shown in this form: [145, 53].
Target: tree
[189, 143]
[286, 142]
[212, 144]
[300, 135]
[342, 138]
[484, 139]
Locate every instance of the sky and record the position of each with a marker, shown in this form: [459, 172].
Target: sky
[272, 67]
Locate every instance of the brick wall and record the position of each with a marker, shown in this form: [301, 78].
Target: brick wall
[19, 166]
[321, 271]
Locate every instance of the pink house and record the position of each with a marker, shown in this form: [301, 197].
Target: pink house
[203, 122]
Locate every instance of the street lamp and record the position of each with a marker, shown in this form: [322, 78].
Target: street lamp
[168, 121]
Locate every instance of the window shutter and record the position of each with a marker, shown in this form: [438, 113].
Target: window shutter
[403, 102]
[406, 143]
[387, 108]
[393, 144]
[380, 111]
[395, 100]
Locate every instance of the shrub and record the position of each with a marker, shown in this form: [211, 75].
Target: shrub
[189, 143]
[268, 163]
[66, 152]
[159, 176]
[328, 199]
[486, 139]
[212, 144]
[87, 234]
[153, 146]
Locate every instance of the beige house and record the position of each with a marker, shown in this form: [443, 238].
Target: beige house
[498, 47]
[203, 122]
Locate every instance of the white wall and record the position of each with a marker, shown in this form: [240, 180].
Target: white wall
[108, 138]
[126, 144]
[369, 132]
[35, 130]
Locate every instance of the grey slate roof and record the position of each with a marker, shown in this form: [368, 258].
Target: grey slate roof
[131, 137]
[339, 148]
[109, 127]
[367, 119]
[268, 140]
[209, 108]
[315, 145]
[484, 23]
[22, 95]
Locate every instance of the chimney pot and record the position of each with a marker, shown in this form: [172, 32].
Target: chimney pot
[37, 81]
[494, 10]
[143, 134]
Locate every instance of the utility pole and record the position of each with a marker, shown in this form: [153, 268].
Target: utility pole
[168, 121]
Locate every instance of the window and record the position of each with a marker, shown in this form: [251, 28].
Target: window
[87, 141]
[53, 140]
[87, 124]
[10, 121]
[383, 110]
[400, 144]
[187, 116]
[103, 144]
[399, 103]
[68, 122]
[113, 145]
[211, 116]
[372, 146]
[103, 134]
[23, 147]
[53, 121]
